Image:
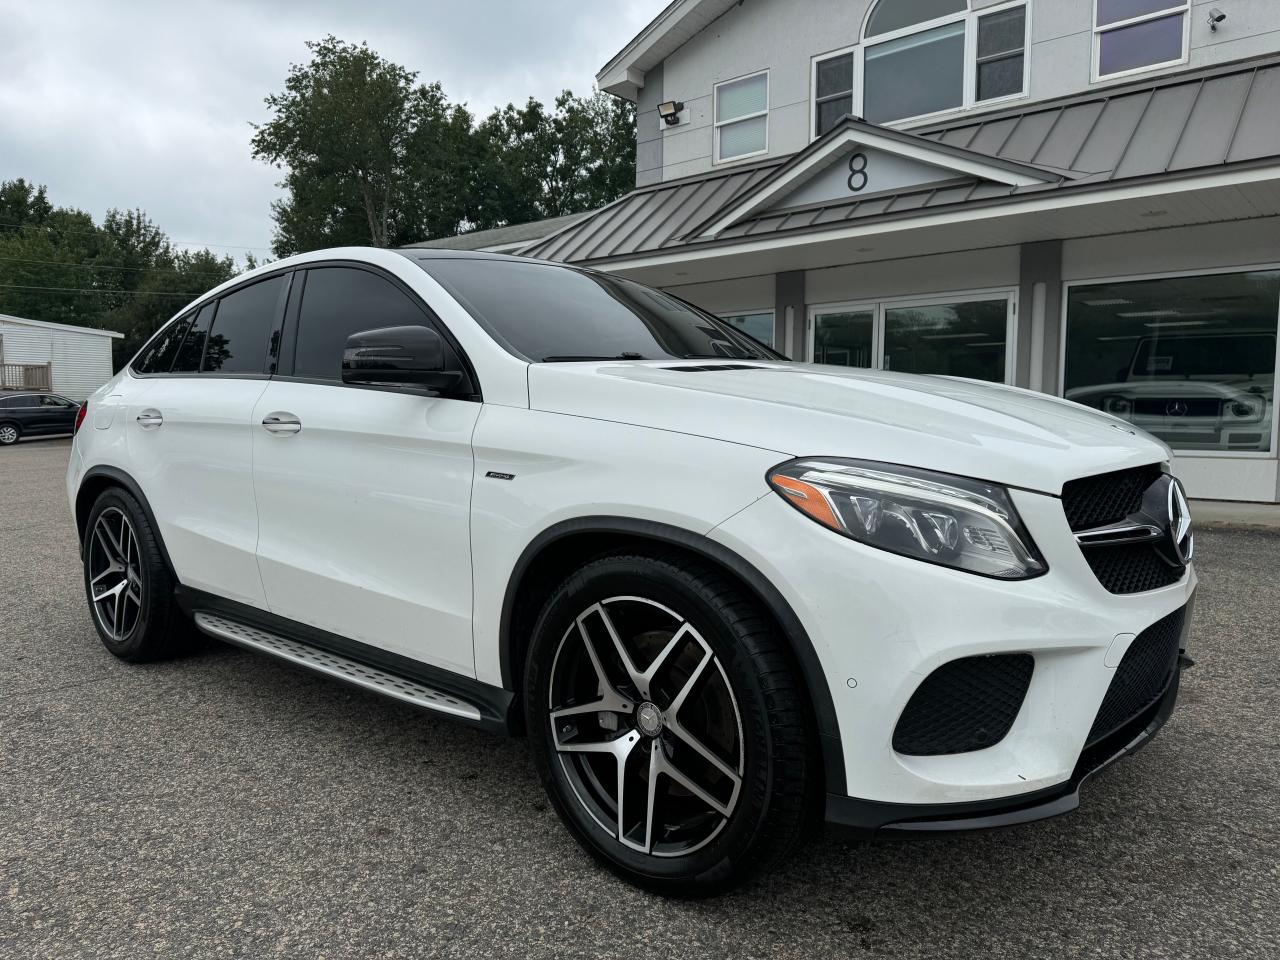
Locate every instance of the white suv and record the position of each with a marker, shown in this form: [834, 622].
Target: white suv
[724, 595]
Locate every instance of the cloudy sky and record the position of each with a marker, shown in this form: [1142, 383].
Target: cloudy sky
[148, 104]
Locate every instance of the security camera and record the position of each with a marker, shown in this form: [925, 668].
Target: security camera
[1216, 16]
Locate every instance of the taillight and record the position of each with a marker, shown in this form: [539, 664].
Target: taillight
[84, 408]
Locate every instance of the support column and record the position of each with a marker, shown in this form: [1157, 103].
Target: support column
[1039, 320]
[789, 315]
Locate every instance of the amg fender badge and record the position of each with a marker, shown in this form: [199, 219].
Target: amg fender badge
[495, 475]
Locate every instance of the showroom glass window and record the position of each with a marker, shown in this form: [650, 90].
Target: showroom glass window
[742, 117]
[958, 336]
[758, 324]
[965, 339]
[845, 337]
[1189, 359]
[922, 57]
[1134, 35]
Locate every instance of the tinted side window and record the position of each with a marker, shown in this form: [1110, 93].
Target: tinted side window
[241, 328]
[545, 312]
[192, 349]
[7, 402]
[340, 301]
[159, 354]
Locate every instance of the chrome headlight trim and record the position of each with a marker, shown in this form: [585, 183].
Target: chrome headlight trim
[939, 518]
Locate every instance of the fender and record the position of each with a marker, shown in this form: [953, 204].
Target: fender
[797, 638]
[114, 476]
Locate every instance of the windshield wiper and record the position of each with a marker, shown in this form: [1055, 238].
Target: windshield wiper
[626, 355]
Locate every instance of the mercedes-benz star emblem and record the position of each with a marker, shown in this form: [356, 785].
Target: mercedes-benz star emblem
[1176, 408]
[649, 719]
[1180, 535]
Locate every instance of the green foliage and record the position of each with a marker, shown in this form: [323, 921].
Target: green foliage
[373, 157]
[56, 264]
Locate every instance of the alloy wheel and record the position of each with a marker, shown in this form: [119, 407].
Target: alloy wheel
[646, 727]
[8, 434]
[115, 574]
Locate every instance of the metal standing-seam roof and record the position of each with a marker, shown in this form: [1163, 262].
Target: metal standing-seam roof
[510, 236]
[1189, 121]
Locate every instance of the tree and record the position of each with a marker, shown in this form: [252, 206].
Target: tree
[371, 156]
[539, 164]
[56, 264]
[342, 129]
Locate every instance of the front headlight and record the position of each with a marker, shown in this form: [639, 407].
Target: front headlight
[937, 517]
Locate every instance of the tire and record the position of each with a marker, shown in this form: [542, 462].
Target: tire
[137, 615]
[708, 657]
[10, 433]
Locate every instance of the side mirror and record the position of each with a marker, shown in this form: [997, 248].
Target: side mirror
[398, 355]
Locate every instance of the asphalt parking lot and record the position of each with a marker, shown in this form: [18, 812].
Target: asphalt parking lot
[227, 806]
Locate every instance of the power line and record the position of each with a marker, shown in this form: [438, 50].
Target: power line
[98, 230]
[121, 293]
[98, 266]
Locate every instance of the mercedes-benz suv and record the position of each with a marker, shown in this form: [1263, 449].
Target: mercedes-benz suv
[725, 596]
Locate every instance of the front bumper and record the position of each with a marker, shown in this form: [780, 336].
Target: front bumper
[879, 624]
[868, 815]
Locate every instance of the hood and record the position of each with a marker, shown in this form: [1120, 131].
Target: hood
[987, 431]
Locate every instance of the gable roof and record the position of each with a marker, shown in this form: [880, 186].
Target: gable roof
[1194, 122]
[680, 20]
[851, 134]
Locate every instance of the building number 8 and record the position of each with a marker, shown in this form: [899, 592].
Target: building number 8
[858, 172]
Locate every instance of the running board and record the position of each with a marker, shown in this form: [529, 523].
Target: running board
[341, 668]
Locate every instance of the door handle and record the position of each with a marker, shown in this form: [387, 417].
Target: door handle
[149, 419]
[283, 424]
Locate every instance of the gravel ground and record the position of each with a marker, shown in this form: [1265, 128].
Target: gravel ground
[226, 806]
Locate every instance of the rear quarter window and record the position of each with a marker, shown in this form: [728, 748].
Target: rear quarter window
[157, 356]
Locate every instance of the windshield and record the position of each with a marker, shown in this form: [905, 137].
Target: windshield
[551, 314]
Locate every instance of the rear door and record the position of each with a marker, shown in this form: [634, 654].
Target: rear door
[191, 445]
[364, 493]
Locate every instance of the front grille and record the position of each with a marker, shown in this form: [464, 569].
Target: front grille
[1131, 568]
[1190, 408]
[964, 705]
[1110, 498]
[1142, 676]
[1107, 497]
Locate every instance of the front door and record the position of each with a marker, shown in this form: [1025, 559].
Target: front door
[364, 494]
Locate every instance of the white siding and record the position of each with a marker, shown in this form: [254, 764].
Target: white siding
[782, 36]
[81, 361]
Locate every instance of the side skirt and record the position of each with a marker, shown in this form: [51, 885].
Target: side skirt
[359, 664]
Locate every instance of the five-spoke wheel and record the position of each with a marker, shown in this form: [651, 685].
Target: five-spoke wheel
[646, 726]
[667, 724]
[115, 574]
[127, 582]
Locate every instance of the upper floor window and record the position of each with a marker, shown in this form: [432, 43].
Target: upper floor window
[921, 57]
[832, 91]
[1134, 35]
[742, 117]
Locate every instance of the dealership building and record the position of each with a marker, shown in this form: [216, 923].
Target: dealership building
[1081, 197]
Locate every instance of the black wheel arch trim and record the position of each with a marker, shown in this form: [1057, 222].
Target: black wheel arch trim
[816, 686]
[118, 478]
